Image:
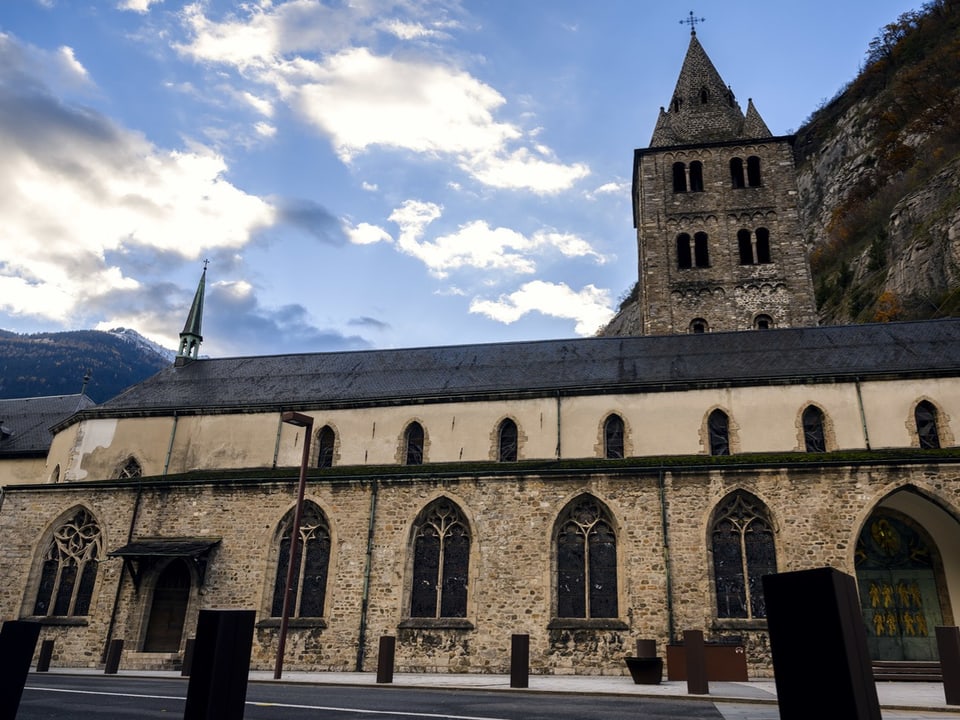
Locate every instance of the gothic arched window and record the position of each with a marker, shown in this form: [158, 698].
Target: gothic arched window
[704, 96]
[814, 438]
[718, 428]
[613, 437]
[326, 439]
[130, 469]
[413, 444]
[684, 256]
[507, 441]
[925, 415]
[736, 172]
[745, 246]
[700, 251]
[696, 176]
[679, 177]
[586, 561]
[753, 171]
[69, 570]
[441, 562]
[309, 586]
[743, 552]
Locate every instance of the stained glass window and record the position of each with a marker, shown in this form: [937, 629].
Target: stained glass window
[441, 560]
[69, 570]
[309, 587]
[743, 552]
[586, 562]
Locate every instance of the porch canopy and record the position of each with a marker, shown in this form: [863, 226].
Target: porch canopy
[143, 554]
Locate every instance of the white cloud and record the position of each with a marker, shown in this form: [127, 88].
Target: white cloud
[478, 246]
[261, 105]
[140, 6]
[616, 189]
[265, 129]
[312, 56]
[70, 62]
[367, 234]
[78, 194]
[590, 308]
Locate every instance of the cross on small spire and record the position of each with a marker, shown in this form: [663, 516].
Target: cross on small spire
[692, 22]
[205, 263]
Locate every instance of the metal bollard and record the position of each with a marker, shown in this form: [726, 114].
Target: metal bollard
[385, 659]
[696, 663]
[520, 661]
[948, 645]
[113, 657]
[46, 652]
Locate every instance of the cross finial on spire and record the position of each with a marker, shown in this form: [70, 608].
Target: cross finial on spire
[205, 263]
[692, 22]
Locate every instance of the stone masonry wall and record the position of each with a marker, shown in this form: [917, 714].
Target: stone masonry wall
[817, 514]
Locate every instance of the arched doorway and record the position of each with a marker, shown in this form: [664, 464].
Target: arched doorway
[902, 587]
[168, 612]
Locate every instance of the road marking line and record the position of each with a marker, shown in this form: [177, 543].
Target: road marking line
[396, 713]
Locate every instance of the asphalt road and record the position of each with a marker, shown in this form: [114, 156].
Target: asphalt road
[106, 697]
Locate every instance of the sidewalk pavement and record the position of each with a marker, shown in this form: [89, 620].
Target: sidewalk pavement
[753, 700]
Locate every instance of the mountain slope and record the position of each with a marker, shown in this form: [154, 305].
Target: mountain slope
[57, 363]
[879, 178]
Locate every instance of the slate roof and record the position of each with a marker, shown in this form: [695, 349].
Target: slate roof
[25, 422]
[549, 367]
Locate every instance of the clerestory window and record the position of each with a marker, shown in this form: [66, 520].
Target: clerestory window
[814, 438]
[507, 441]
[413, 444]
[925, 415]
[613, 437]
[326, 440]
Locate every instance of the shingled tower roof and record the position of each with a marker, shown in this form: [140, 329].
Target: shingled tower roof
[703, 108]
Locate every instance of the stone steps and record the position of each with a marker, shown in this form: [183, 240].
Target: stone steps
[907, 671]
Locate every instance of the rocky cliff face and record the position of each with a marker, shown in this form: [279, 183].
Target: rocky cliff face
[878, 175]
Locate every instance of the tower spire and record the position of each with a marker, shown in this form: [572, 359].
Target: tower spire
[191, 336]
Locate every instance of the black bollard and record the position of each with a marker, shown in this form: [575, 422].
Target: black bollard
[385, 659]
[113, 657]
[696, 655]
[520, 661]
[220, 666]
[187, 658]
[18, 640]
[948, 645]
[818, 642]
[46, 652]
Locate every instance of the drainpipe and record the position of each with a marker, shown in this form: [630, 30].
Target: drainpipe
[365, 601]
[173, 434]
[661, 485]
[559, 455]
[276, 445]
[863, 415]
[116, 598]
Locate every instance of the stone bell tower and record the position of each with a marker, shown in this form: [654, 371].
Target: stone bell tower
[715, 208]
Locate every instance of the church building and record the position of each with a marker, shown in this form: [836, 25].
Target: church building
[587, 492]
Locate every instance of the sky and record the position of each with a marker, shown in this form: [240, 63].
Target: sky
[360, 173]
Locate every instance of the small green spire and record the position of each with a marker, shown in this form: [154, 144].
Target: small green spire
[191, 336]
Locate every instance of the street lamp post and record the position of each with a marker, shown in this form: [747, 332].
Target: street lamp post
[304, 421]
